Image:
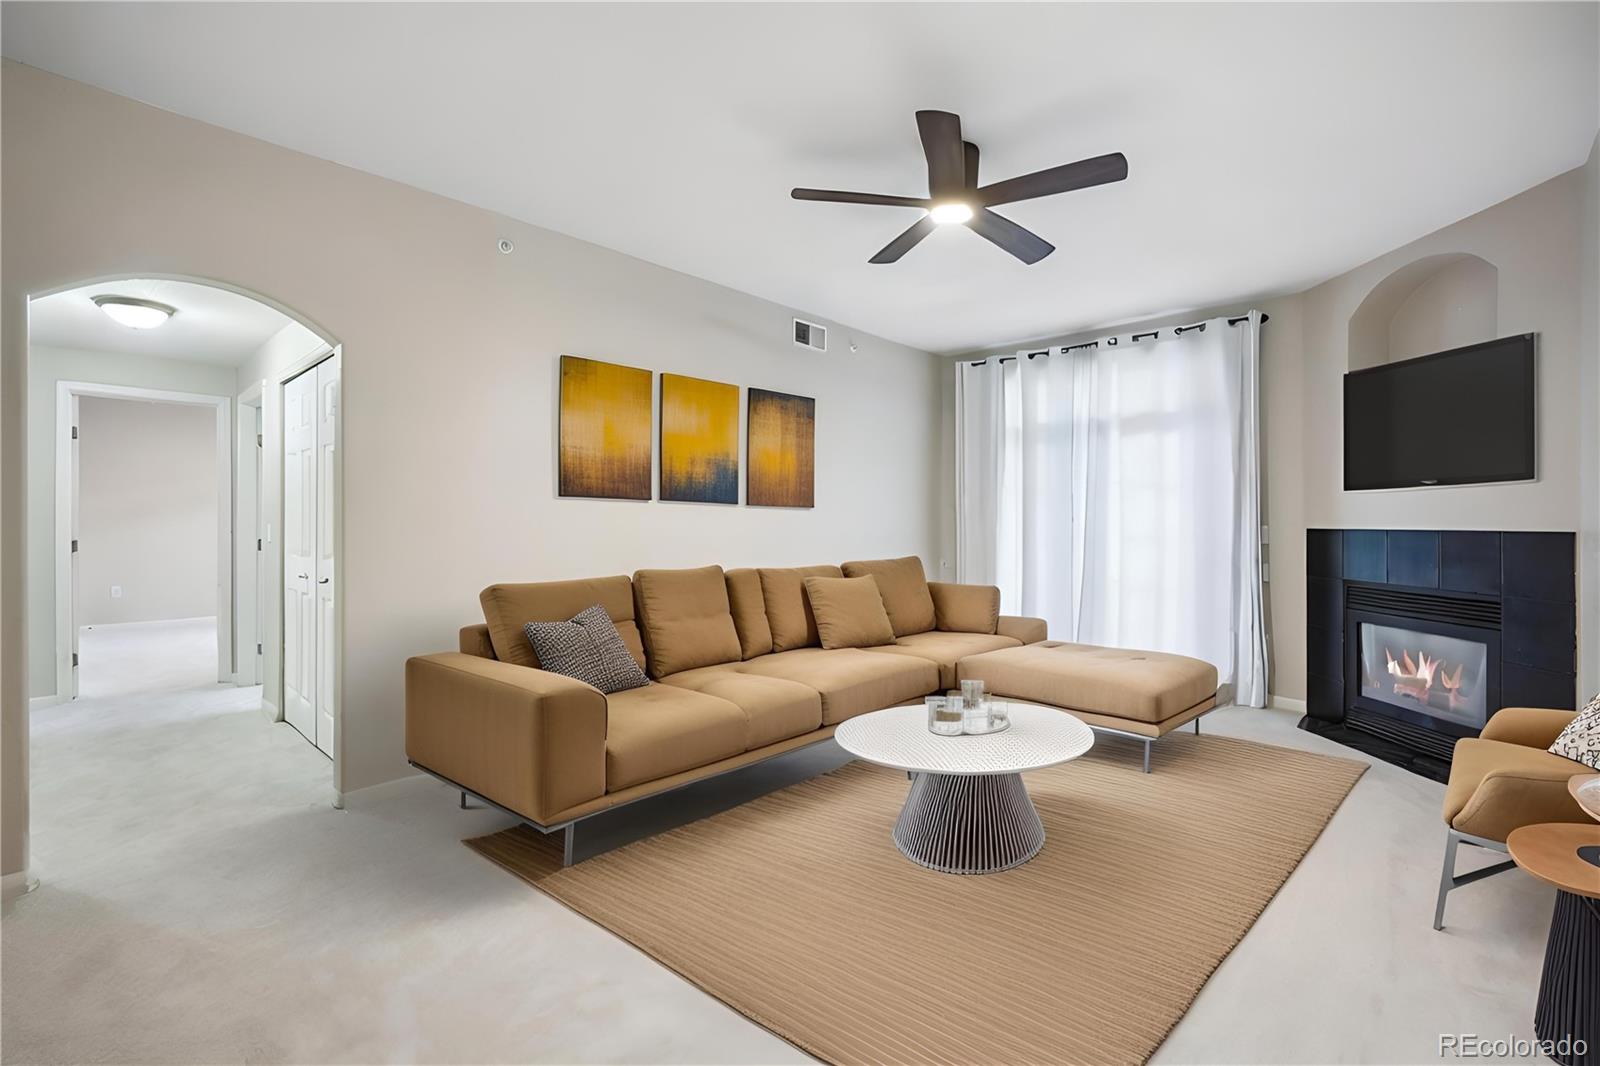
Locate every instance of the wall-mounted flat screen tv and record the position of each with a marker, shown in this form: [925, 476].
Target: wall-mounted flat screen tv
[1462, 417]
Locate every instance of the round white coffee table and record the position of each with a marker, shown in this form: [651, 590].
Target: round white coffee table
[968, 812]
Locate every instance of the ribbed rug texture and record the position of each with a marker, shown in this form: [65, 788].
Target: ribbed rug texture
[797, 910]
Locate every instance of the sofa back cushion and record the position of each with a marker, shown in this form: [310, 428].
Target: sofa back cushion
[507, 608]
[788, 610]
[966, 608]
[685, 618]
[749, 609]
[905, 591]
[849, 612]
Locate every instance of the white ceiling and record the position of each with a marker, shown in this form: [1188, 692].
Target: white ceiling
[211, 326]
[1270, 145]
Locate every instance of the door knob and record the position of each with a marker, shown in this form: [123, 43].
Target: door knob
[304, 576]
[322, 581]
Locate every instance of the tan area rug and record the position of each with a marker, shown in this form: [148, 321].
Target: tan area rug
[796, 910]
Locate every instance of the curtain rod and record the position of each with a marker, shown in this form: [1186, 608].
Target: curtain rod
[1134, 338]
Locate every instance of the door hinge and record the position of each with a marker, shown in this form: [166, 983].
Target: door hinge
[258, 544]
[74, 659]
[74, 432]
[258, 649]
[74, 543]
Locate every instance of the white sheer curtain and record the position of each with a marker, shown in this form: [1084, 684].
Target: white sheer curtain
[1113, 490]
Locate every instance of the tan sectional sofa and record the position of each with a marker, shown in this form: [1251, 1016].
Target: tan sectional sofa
[739, 675]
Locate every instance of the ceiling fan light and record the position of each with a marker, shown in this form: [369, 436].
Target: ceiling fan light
[951, 212]
[133, 312]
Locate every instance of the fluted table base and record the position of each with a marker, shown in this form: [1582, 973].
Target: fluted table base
[1568, 1011]
[968, 823]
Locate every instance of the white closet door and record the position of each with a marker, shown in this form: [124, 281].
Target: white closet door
[327, 581]
[300, 553]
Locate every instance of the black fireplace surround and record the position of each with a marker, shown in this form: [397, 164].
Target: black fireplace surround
[1415, 637]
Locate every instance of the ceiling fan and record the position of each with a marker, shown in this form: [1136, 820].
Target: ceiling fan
[954, 194]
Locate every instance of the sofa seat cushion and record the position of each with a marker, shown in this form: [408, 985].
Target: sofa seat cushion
[904, 588]
[1141, 686]
[851, 681]
[776, 709]
[944, 650]
[1496, 787]
[658, 730]
[685, 618]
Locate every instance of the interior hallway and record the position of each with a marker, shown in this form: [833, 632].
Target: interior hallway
[201, 900]
[126, 658]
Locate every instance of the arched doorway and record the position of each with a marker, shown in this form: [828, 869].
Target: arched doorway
[177, 351]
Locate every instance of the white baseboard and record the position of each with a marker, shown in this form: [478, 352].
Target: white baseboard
[36, 702]
[1288, 703]
[17, 884]
[381, 790]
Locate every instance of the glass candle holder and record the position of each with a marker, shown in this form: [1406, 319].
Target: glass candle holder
[944, 716]
[972, 693]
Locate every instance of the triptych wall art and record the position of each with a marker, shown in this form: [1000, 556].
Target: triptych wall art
[605, 431]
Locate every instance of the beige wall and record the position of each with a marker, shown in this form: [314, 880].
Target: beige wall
[147, 511]
[450, 355]
[47, 368]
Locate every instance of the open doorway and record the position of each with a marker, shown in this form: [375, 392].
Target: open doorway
[148, 601]
[125, 410]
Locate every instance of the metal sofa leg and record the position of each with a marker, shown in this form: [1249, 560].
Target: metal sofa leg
[569, 837]
[1448, 878]
[1147, 756]
[1197, 726]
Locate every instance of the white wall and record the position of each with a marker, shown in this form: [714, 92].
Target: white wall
[450, 353]
[147, 511]
[47, 367]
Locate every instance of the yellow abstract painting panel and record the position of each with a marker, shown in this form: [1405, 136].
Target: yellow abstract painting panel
[699, 440]
[605, 447]
[781, 446]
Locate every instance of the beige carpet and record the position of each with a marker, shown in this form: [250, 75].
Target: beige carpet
[796, 909]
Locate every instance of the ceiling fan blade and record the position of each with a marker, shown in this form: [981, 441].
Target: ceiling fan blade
[1080, 175]
[834, 196]
[1026, 246]
[941, 143]
[971, 168]
[906, 241]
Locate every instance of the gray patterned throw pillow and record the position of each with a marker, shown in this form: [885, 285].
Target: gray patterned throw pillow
[586, 647]
[1580, 741]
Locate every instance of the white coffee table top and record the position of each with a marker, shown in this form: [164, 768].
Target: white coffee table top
[898, 738]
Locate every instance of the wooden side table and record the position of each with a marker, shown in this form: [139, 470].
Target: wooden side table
[1567, 855]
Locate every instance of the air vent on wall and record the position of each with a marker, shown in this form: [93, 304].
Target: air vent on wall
[810, 335]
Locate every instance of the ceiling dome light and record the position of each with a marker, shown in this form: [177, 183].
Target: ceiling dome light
[133, 312]
[956, 212]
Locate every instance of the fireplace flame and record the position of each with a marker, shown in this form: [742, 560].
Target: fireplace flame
[1415, 679]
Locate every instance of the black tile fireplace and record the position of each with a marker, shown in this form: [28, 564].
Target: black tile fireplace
[1415, 637]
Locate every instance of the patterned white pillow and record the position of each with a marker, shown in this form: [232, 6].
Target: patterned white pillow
[1580, 741]
[586, 647]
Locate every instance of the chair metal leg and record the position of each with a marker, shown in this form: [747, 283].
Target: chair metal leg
[1448, 878]
[1147, 756]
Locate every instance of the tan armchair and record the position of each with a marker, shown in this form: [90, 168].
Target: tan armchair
[1501, 780]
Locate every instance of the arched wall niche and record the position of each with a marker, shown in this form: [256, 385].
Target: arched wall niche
[1429, 305]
